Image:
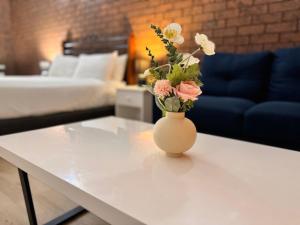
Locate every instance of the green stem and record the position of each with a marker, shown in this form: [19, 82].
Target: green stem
[164, 66]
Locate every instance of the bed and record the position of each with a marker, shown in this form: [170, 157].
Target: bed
[34, 102]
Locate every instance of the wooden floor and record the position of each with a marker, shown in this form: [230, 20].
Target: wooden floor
[48, 203]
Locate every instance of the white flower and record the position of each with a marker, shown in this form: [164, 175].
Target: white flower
[209, 49]
[172, 32]
[201, 39]
[188, 59]
[147, 73]
[207, 46]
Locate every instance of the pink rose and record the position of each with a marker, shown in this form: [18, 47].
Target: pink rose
[188, 90]
[162, 88]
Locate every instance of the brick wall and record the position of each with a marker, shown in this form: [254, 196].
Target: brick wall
[6, 51]
[234, 25]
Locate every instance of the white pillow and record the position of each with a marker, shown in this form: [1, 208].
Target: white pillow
[99, 66]
[63, 66]
[120, 68]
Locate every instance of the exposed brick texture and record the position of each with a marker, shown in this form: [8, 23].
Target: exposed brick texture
[235, 25]
[6, 50]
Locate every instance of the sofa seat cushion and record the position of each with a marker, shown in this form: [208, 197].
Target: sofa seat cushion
[237, 75]
[275, 123]
[285, 78]
[220, 115]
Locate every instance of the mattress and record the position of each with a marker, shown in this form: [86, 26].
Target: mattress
[36, 95]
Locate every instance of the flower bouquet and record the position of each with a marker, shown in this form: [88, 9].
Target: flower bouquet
[176, 85]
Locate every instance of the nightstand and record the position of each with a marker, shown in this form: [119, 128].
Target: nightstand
[134, 102]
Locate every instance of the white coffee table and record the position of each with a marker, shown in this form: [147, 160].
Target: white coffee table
[112, 168]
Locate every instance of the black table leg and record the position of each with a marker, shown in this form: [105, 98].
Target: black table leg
[30, 207]
[67, 216]
[27, 197]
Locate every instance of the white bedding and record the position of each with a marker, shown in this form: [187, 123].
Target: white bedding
[36, 95]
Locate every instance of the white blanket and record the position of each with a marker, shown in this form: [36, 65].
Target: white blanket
[36, 95]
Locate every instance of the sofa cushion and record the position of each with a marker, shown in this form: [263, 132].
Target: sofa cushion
[285, 78]
[275, 123]
[237, 75]
[220, 115]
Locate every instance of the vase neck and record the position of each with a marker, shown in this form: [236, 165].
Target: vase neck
[175, 115]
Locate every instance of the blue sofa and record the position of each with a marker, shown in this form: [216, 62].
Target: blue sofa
[253, 97]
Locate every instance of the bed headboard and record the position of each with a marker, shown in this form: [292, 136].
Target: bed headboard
[92, 44]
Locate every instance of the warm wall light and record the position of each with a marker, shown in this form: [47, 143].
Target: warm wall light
[50, 49]
[149, 39]
[50, 46]
[142, 64]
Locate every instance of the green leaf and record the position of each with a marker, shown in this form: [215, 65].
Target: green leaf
[155, 73]
[154, 63]
[193, 73]
[172, 104]
[193, 70]
[186, 106]
[179, 58]
[159, 104]
[178, 74]
[175, 77]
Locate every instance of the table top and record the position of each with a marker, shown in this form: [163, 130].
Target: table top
[112, 167]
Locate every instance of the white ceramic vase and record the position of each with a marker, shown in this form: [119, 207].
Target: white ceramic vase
[174, 133]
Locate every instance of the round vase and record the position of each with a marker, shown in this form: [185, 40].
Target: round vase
[174, 134]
